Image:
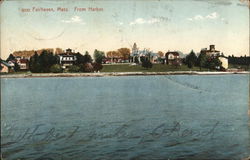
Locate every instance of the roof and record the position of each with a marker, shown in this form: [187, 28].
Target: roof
[24, 61]
[66, 55]
[210, 51]
[5, 63]
[143, 53]
[174, 53]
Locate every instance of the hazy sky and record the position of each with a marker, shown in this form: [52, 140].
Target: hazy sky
[160, 25]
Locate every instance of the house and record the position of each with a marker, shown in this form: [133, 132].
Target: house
[172, 57]
[12, 63]
[5, 67]
[211, 51]
[224, 62]
[23, 63]
[136, 55]
[67, 59]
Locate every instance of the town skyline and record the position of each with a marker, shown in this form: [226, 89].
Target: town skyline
[157, 25]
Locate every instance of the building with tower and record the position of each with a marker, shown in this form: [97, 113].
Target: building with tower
[136, 54]
[211, 51]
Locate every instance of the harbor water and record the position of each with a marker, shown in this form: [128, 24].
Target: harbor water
[129, 117]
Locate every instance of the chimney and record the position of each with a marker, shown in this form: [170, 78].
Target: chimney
[212, 47]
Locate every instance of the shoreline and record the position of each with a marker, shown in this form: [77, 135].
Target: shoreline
[105, 74]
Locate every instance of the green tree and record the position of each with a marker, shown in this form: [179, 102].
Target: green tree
[87, 58]
[34, 65]
[56, 68]
[98, 56]
[214, 63]
[146, 62]
[136, 60]
[79, 58]
[10, 58]
[191, 59]
[16, 67]
[46, 60]
[202, 60]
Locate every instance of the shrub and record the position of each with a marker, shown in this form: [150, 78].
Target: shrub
[74, 68]
[97, 66]
[176, 63]
[147, 64]
[87, 67]
[56, 68]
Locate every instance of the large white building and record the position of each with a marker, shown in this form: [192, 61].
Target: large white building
[137, 54]
[67, 59]
[211, 51]
[215, 53]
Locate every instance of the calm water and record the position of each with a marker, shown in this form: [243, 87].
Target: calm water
[143, 117]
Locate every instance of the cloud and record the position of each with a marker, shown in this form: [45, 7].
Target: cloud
[143, 21]
[198, 17]
[74, 19]
[213, 15]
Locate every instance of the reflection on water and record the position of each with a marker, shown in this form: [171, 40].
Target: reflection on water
[155, 117]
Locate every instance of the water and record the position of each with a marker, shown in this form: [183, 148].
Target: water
[134, 117]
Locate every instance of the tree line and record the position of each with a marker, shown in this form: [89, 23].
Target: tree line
[202, 61]
[48, 62]
[242, 60]
[123, 53]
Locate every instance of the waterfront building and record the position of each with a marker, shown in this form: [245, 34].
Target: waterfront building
[172, 57]
[67, 59]
[23, 63]
[211, 51]
[224, 62]
[136, 55]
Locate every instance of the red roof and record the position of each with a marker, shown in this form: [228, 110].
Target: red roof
[24, 61]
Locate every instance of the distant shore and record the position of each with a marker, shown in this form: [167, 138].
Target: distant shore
[104, 74]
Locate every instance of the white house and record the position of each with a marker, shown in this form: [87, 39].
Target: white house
[224, 62]
[67, 59]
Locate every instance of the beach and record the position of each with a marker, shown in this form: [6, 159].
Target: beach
[104, 74]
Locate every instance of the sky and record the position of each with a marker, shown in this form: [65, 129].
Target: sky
[158, 25]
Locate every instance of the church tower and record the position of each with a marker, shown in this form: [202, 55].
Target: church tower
[134, 49]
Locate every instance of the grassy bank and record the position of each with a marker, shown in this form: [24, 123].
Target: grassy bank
[155, 68]
[138, 68]
[245, 67]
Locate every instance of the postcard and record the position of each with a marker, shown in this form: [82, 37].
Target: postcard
[125, 80]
